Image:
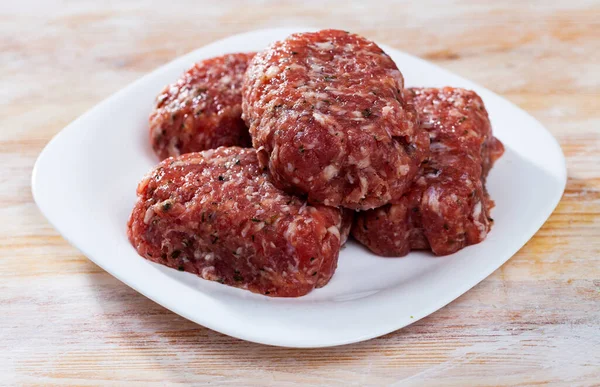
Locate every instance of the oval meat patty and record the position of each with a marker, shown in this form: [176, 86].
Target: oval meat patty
[217, 215]
[326, 113]
[447, 207]
[202, 110]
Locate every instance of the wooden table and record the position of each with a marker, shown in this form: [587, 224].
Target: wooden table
[64, 321]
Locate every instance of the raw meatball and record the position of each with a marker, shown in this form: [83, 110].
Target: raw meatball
[447, 207]
[326, 113]
[217, 215]
[203, 109]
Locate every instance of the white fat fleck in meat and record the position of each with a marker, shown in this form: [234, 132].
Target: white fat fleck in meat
[148, 215]
[364, 184]
[330, 171]
[335, 231]
[455, 113]
[209, 257]
[387, 109]
[321, 118]
[350, 178]
[272, 71]
[433, 199]
[480, 226]
[207, 272]
[369, 128]
[292, 269]
[310, 145]
[438, 146]
[364, 163]
[315, 95]
[324, 45]
[477, 210]
[290, 232]
[295, 66]
[403, 169]
[226, 79]
[429, 123]
[259, 226]
[315, 68]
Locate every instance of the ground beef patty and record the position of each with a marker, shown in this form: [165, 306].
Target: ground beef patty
[217, 215]
[447, 207]
[202, 110]
[326, 114]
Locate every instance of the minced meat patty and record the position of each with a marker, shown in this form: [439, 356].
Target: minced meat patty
[203, 109]
[216, 214]
[327, 115]
[447, 208]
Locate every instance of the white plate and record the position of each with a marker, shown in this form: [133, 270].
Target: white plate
[84, 182]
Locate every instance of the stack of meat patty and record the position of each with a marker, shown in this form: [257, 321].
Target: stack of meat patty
[339, 146]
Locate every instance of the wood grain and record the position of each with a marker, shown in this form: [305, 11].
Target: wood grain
[64, 321]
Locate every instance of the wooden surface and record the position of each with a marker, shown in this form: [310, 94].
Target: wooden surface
[64, 321]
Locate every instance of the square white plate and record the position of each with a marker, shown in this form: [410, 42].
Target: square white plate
[85, 179]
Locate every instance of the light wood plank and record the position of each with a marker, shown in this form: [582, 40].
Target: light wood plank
[64, 321]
